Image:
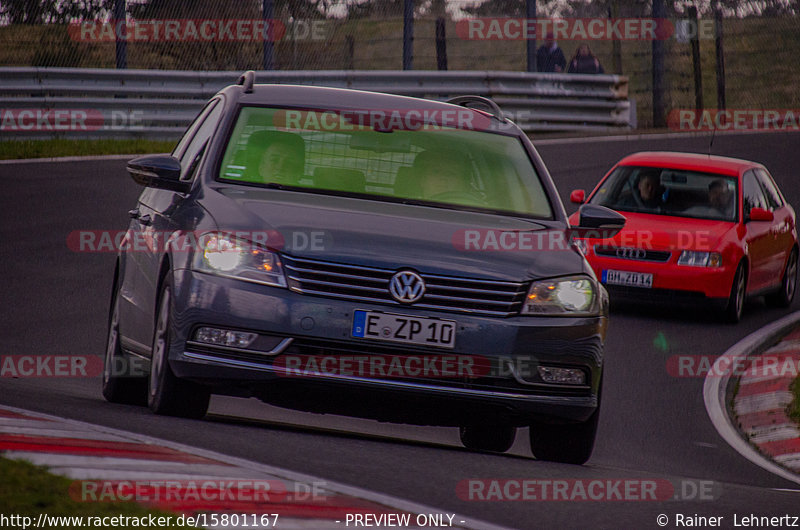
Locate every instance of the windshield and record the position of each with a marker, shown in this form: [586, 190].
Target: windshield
[432, 165]
[665, 191]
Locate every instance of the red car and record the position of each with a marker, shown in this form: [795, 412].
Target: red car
[698, 228]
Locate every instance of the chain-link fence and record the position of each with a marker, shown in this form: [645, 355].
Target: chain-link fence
[760, 52]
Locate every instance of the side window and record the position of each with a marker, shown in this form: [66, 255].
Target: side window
[773, 196]
[196, 147]
[751, 193]
[189, 134]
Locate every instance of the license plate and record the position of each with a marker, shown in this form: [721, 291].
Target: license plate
[631, 279]
[403, 328]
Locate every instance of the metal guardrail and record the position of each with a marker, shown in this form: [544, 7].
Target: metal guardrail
[160, 104]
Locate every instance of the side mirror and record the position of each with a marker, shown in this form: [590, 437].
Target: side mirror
[577, 196]
[760, 214]
[158, 171]
[597, 222]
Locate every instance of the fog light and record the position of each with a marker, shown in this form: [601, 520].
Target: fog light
[567, 376]
[225, 337]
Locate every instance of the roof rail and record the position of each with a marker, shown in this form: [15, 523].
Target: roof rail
[247, 80]
[465, 101]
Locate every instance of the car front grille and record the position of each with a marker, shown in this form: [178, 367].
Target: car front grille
[638, 254]
[370, 284]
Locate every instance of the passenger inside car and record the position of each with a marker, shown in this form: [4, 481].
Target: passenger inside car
[276, 156]
[441, 173]
[721, 197]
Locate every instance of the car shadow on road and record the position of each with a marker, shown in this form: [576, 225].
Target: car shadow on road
[339, 433]
[699, 313]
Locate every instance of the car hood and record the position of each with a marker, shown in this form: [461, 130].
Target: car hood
[395, 235]
[662, 232]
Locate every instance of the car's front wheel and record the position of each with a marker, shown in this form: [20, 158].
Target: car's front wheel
[493, 438]
[784, 296]
[168, 394]
[733, 312]
[120, 385]
[568, 443]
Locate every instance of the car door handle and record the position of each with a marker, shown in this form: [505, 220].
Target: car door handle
[145, 219]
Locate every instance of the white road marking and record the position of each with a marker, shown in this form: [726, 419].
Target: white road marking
[762, 402]
[774, 433]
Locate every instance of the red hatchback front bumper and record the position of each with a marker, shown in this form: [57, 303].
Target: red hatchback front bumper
[695, 282]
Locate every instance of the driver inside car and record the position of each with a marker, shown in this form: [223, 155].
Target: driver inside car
[277, 156]
[646, 193]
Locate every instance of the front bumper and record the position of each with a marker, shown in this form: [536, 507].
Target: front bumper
[671, 282]
[493, 369]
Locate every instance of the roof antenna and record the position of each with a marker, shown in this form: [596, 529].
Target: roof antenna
[711, 143]
[247, 80]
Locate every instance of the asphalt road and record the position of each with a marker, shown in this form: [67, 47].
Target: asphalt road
[653, 425]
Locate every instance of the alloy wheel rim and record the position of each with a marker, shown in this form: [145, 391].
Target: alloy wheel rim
[159, 344]
[791, 276]
[740, 293]
[111, 345]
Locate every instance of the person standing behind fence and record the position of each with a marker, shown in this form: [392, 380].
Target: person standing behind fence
[584, 62]
[549, 57]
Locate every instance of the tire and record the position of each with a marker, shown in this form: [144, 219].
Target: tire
[167, 394]
[570, 443]
[120, 387]
[492, 438]
[784, 296]
[733, 312]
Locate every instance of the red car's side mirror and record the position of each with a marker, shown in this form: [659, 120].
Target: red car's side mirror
[577, 196]
[760, 214]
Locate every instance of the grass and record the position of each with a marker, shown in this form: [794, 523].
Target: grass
[28, 490]
[794, 406]
[15, 149]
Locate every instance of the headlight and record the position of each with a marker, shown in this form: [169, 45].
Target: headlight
[224, 255]
[694, 258]
[563, 296]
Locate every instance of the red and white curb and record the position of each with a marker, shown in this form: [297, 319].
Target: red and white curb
[762, 432]
[112, 465]
[761, 402]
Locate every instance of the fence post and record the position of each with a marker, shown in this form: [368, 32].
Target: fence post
[121, 44]
[441, 44]
[530, 15]
[268, 62]
[720, 60]
[350, 42]
[698, 73]
[658, 71]
[616, 45]
[408, 34]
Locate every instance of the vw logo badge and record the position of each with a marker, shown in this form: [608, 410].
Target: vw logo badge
[631, 253]
[407, 287]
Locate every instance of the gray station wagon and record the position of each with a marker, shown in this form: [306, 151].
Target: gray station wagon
[357, 253]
